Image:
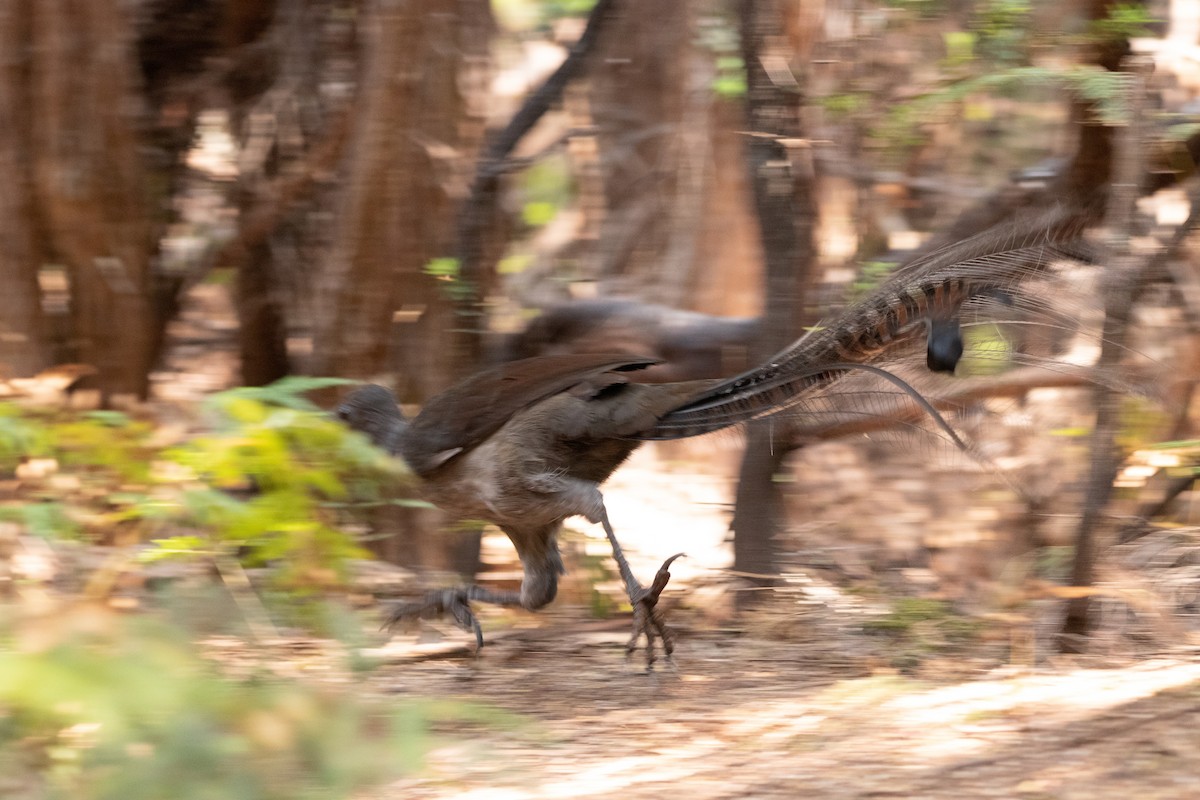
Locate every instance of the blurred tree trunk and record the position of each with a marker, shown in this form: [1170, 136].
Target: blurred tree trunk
[88, 182]
[24, 345]
[780, 172]
[641, 88]
[672, 225]
[262, 326]
[284, 68]
[419, 121]
[1087, 179]
[1089, 182]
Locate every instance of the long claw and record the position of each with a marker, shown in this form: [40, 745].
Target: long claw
[660, 580]
[648, 620]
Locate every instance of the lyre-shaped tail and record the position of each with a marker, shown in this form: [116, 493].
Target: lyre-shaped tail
[923, 298]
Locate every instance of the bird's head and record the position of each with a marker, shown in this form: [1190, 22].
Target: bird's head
[372, 410]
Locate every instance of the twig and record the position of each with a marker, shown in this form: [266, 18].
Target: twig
[243, 594]
[472, 219]
[1125, 270]
[279, 197]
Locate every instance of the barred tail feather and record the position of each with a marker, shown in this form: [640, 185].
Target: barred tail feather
[935, 287]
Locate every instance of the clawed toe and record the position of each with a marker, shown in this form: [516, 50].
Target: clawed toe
[445, 601]
[648, 618]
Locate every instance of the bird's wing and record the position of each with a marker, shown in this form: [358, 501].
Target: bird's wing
[467, 413]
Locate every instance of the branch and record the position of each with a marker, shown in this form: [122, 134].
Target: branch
[905, 411]
[473, 217]
[279, 197]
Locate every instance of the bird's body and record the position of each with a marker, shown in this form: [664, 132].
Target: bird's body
[546, 462]
[528, 447]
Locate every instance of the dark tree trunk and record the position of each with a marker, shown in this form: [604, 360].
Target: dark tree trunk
[262, 328]
[89, 183]
[417, 112]
[640, 92]
[24, 345]
[1119, 189]
[782, 181]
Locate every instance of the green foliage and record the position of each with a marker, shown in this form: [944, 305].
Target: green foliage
[514, 263]
[1186, 450]
[1003, 30]
[1181, 132]
[537, 214]
[271, 482]
[1107, 91]
[20, 437]
[260, 484]
[46, 520]
[446, 271]
[960, 47]
[920, 627]
[872, 274]
[106, 441]
[731, 77]
[718, 35]
[1053, 563]
[1142, 423]
[845, 104]
[1124, 21]
[986, 351]
[529, 15]
[129, 710]
[287, 392]
[921, 8]
[545, 187]
[552, 10]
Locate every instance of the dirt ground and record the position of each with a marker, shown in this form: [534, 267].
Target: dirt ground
[751, 714]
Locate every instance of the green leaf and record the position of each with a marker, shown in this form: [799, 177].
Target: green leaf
[537, 214]
[176, 546]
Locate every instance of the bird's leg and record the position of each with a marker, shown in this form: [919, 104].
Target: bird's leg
[456, 602]
[647, 618]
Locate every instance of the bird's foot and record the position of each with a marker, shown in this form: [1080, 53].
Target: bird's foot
[455, 602]
[648, 618]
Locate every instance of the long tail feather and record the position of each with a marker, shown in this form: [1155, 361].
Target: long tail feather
[933, 288]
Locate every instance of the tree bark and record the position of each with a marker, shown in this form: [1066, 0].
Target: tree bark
[417, 115]
[418, 118]
[781, 177]
[89, 184]
[24, 345]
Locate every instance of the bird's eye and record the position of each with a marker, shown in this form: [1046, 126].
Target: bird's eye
[343, 413]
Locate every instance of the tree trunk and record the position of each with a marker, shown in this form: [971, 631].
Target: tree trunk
[781, 177]
[262, 329]
[641, 88]
[24, 346]
[418, 119]
[89, 183]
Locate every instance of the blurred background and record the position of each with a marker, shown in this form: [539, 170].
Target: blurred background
[216, 214]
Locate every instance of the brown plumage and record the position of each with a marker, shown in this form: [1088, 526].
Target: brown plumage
[524, 446]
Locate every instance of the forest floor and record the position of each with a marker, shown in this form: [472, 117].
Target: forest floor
[760, 712]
